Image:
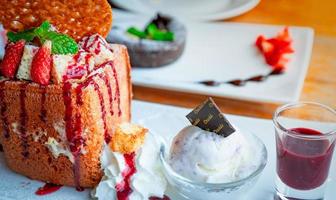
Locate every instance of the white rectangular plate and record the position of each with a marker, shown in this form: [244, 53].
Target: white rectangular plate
[226, 51]
[154, 116]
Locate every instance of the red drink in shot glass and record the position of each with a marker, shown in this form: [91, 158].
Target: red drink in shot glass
[305, 139]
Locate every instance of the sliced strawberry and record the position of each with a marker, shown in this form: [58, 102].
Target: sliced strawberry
[284, 35]
[267, 47]
[259, 41]
[41, 64]
[275, 49]
[12, 59]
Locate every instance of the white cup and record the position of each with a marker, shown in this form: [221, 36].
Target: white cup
[186, 7]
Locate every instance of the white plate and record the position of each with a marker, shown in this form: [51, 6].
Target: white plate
[165, 121]
[190, 9]
[226, 51]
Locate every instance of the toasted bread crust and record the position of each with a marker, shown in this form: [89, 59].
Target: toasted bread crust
[123, 66]
[40, 163]
[75, 18]
[128, 140]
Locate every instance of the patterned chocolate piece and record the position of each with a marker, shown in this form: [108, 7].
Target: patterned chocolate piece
[208, 116]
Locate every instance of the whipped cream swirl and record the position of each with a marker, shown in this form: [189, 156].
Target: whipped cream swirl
[148, 181]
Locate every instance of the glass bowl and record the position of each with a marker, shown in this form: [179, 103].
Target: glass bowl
[189, 189]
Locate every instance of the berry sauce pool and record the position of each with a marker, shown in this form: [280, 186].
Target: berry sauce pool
[303, 164]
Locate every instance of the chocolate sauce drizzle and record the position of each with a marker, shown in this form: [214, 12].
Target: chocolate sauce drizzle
[242, 82]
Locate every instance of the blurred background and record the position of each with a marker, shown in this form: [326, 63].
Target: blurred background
[309, 74]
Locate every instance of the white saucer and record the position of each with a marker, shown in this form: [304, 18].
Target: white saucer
[199, 10]
[165, 121]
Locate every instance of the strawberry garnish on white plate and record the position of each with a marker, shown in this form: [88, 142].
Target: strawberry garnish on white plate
[41, 64]
[275, 49]
[12, 59]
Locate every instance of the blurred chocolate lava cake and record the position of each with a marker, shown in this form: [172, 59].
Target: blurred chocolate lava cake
[160, 43]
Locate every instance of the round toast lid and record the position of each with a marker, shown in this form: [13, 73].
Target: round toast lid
[76, 18]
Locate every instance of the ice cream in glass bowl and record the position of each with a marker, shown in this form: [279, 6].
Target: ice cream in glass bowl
[203, 164]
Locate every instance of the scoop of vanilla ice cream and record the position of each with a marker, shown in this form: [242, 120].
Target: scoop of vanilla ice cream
[208, 157]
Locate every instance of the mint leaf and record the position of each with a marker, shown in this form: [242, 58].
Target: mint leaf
[27, 35]
[42, 30]
[45, 26]
[61, 44]
[136, 32]
[30, 34]
[160, 35]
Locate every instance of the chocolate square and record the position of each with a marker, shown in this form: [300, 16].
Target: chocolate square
[208, 116]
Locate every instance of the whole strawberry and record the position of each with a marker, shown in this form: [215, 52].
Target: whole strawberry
[12, 59]
[41, 64]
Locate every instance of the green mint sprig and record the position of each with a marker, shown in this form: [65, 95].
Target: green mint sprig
[152, 32]
[61, 43]
[156, 34]
[136, 32]
[27, 35]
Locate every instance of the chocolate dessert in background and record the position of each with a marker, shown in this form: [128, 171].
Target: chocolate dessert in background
[160, 43]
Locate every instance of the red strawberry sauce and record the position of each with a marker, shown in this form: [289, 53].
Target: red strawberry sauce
[87, 46]
[301, 164]
[73, 130]
[3, 109]
[48, 188]
[117, 96]
[109, 90]
[23, 119]
[43, 113]
[74, 127]
[157, 198]
[76, 71]
[124, 188]
[103, 111]
[73, 124]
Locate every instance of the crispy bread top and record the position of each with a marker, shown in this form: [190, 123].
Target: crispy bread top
[76, 18]
[128, 138]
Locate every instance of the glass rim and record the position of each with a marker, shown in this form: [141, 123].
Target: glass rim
[293, 133]
[180, 178]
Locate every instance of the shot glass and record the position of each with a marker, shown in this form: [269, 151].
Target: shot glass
[305, 134]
